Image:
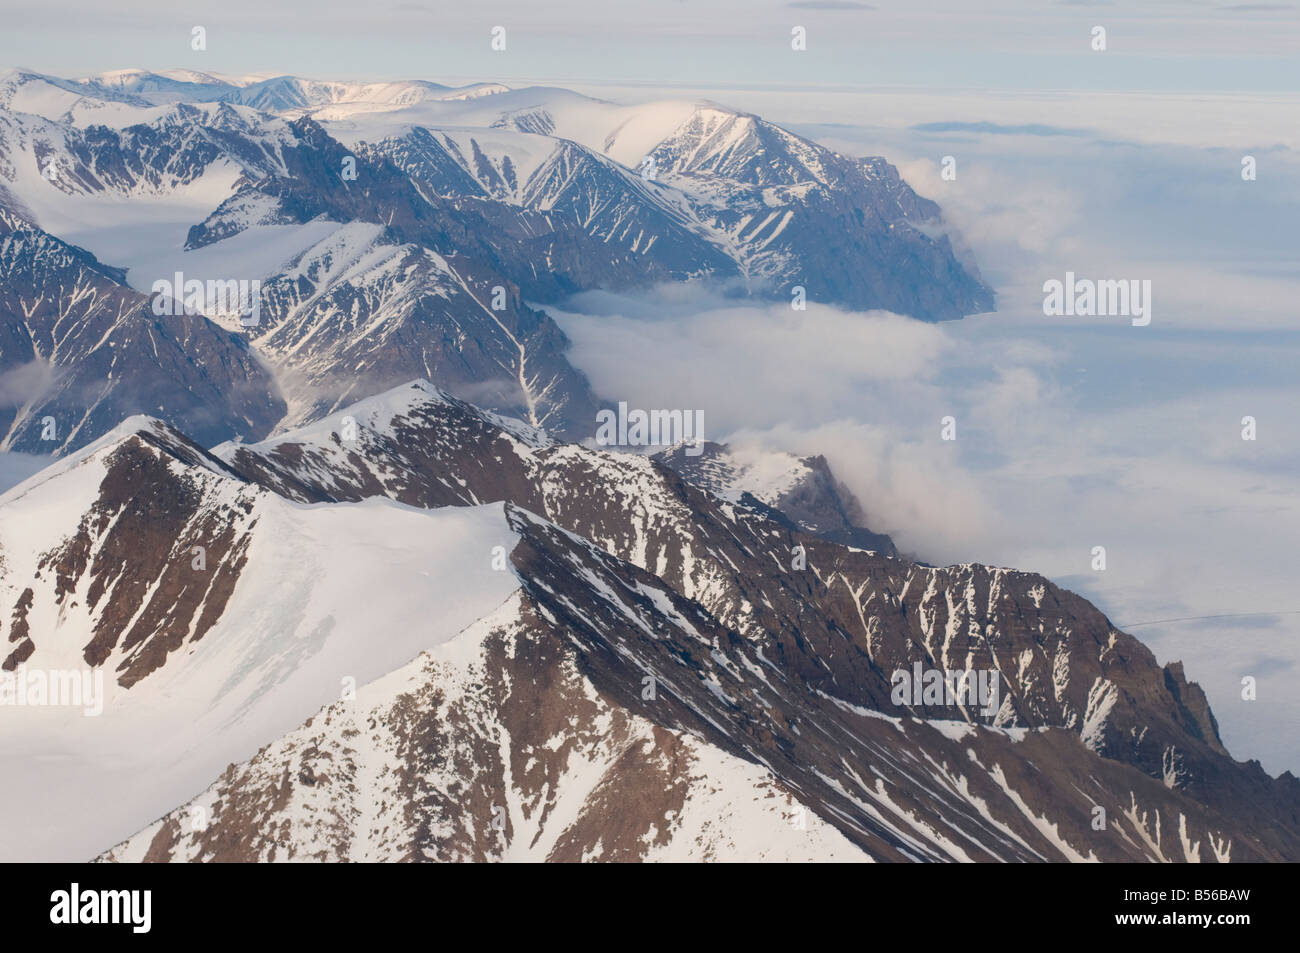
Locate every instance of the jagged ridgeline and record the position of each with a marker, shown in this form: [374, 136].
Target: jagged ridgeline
[514, 648]
[333, 575]
[395, 231]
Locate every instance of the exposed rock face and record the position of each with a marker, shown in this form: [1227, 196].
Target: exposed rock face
[877, 613]
[801, 489]
[86, 351]
[797, 209]
[725, 194]
[537, 735]
[662, 651]
[167, 545]
[443, 234]
[546, 651]
[163, 617]
[357, 314]
[844, 625]
[501, 749]
[158, 155]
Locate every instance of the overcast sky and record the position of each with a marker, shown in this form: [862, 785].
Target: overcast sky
[1008, 44]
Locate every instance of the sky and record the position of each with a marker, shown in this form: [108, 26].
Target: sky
[1158, 45]
[1072, 433]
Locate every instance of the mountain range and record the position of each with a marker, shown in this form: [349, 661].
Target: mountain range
[359, 585]
[400, 231]
[416, 640]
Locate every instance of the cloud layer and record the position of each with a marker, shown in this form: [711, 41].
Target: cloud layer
[1071, 432]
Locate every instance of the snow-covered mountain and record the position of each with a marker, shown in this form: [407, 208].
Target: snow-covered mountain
[398, 228]
[724, 192]
[218, 614]
[458, 756]
[80, 351]
[802, 489]
[354, 586]
[526, 656]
